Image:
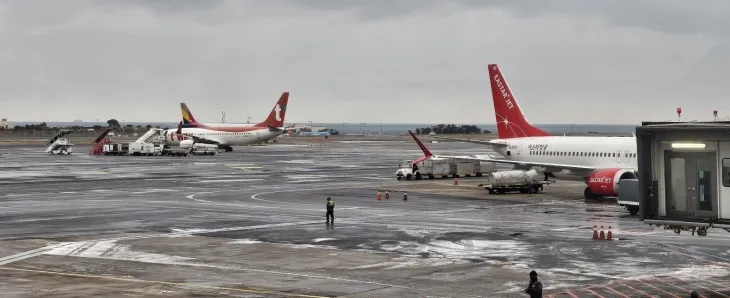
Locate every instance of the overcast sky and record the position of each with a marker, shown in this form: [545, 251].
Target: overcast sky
[407, 61]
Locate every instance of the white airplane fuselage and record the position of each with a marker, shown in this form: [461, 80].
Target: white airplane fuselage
[225, 138]
[596, 152]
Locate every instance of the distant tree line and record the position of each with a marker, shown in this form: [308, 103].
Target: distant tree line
[450, 129]
[113, 123]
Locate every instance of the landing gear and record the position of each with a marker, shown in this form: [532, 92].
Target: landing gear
[588, 194]
[229, 149]
[633, 210]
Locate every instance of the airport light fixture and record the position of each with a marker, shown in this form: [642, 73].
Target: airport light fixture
[688, 145]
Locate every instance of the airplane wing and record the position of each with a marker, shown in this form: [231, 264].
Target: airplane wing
[557, 167]
[488, 158]
[481, 142]
[202, 140]
[272, 128]
[197, 139]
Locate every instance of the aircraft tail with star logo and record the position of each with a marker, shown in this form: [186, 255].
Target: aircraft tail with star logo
[511, 123]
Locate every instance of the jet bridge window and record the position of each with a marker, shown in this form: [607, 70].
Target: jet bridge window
[726, 172]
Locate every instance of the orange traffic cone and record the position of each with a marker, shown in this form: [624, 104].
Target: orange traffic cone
[387, 195]
[609, 235]
[378, 196]
[602, 236]
[595, 233]
[456, 181]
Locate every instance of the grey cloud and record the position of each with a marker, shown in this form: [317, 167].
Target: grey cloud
[372, 61]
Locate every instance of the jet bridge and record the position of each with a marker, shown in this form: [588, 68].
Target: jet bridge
[684, 175]
[59, 144]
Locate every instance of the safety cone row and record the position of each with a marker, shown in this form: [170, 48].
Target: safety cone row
[379, 197]
[602, 235]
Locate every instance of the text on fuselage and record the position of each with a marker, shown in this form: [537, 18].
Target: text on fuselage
[600, 180]
[537, 147]
[503, 90]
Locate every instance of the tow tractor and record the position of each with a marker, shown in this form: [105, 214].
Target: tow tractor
[59, 144]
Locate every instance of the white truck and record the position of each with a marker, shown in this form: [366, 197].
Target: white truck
[204, 149]
[439, 167]
[147, 149]
[515, 180]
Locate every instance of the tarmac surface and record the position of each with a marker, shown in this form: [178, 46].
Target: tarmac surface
[250, 223]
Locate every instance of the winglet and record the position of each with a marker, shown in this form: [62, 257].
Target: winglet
[426, 153]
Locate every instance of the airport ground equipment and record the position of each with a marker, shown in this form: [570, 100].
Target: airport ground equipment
[152, 136]
[515, 180]
[97, 147]
[138, 149]
[116, 149]
[435, 167]
[59, 144]
[684, 175]
[165, 150]
[628, 195]
[203, 149]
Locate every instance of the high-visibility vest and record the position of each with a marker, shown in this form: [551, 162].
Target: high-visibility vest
[331, 203]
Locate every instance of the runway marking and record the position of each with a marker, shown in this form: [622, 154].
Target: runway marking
[175, 284]
[29, 254]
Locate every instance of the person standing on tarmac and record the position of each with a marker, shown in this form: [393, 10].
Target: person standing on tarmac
[330, 210]
[535, 287]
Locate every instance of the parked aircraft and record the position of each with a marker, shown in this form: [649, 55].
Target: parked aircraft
[599, 161]
[226, 135]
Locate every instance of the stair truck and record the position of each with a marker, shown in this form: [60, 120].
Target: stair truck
[59, 144]
[515, 180]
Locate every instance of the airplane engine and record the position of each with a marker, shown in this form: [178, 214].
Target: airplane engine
[604, 182]
[186, 144]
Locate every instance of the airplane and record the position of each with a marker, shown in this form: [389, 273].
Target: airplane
[598, 161]
[226, 135]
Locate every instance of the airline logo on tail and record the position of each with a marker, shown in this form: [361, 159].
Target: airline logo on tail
[277, 110]
[511, 123]
[188, 119]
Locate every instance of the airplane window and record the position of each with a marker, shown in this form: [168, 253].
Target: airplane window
[613, 154]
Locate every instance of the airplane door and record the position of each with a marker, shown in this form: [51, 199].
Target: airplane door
[518, 151]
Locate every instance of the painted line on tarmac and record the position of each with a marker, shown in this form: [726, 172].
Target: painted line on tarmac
[29, 254]
[175, 284]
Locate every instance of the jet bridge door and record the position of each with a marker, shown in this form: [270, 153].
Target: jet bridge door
[691, 184]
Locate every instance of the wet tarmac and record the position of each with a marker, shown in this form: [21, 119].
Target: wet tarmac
[250, 223]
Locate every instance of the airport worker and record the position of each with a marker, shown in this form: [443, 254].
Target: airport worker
[330, 210]
[535, 286]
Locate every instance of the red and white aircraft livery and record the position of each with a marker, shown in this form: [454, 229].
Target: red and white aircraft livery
[599, 161]
[228, 135]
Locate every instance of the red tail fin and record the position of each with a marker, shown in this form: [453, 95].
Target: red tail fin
[276, 117]
[510, 121]
[426, 153]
